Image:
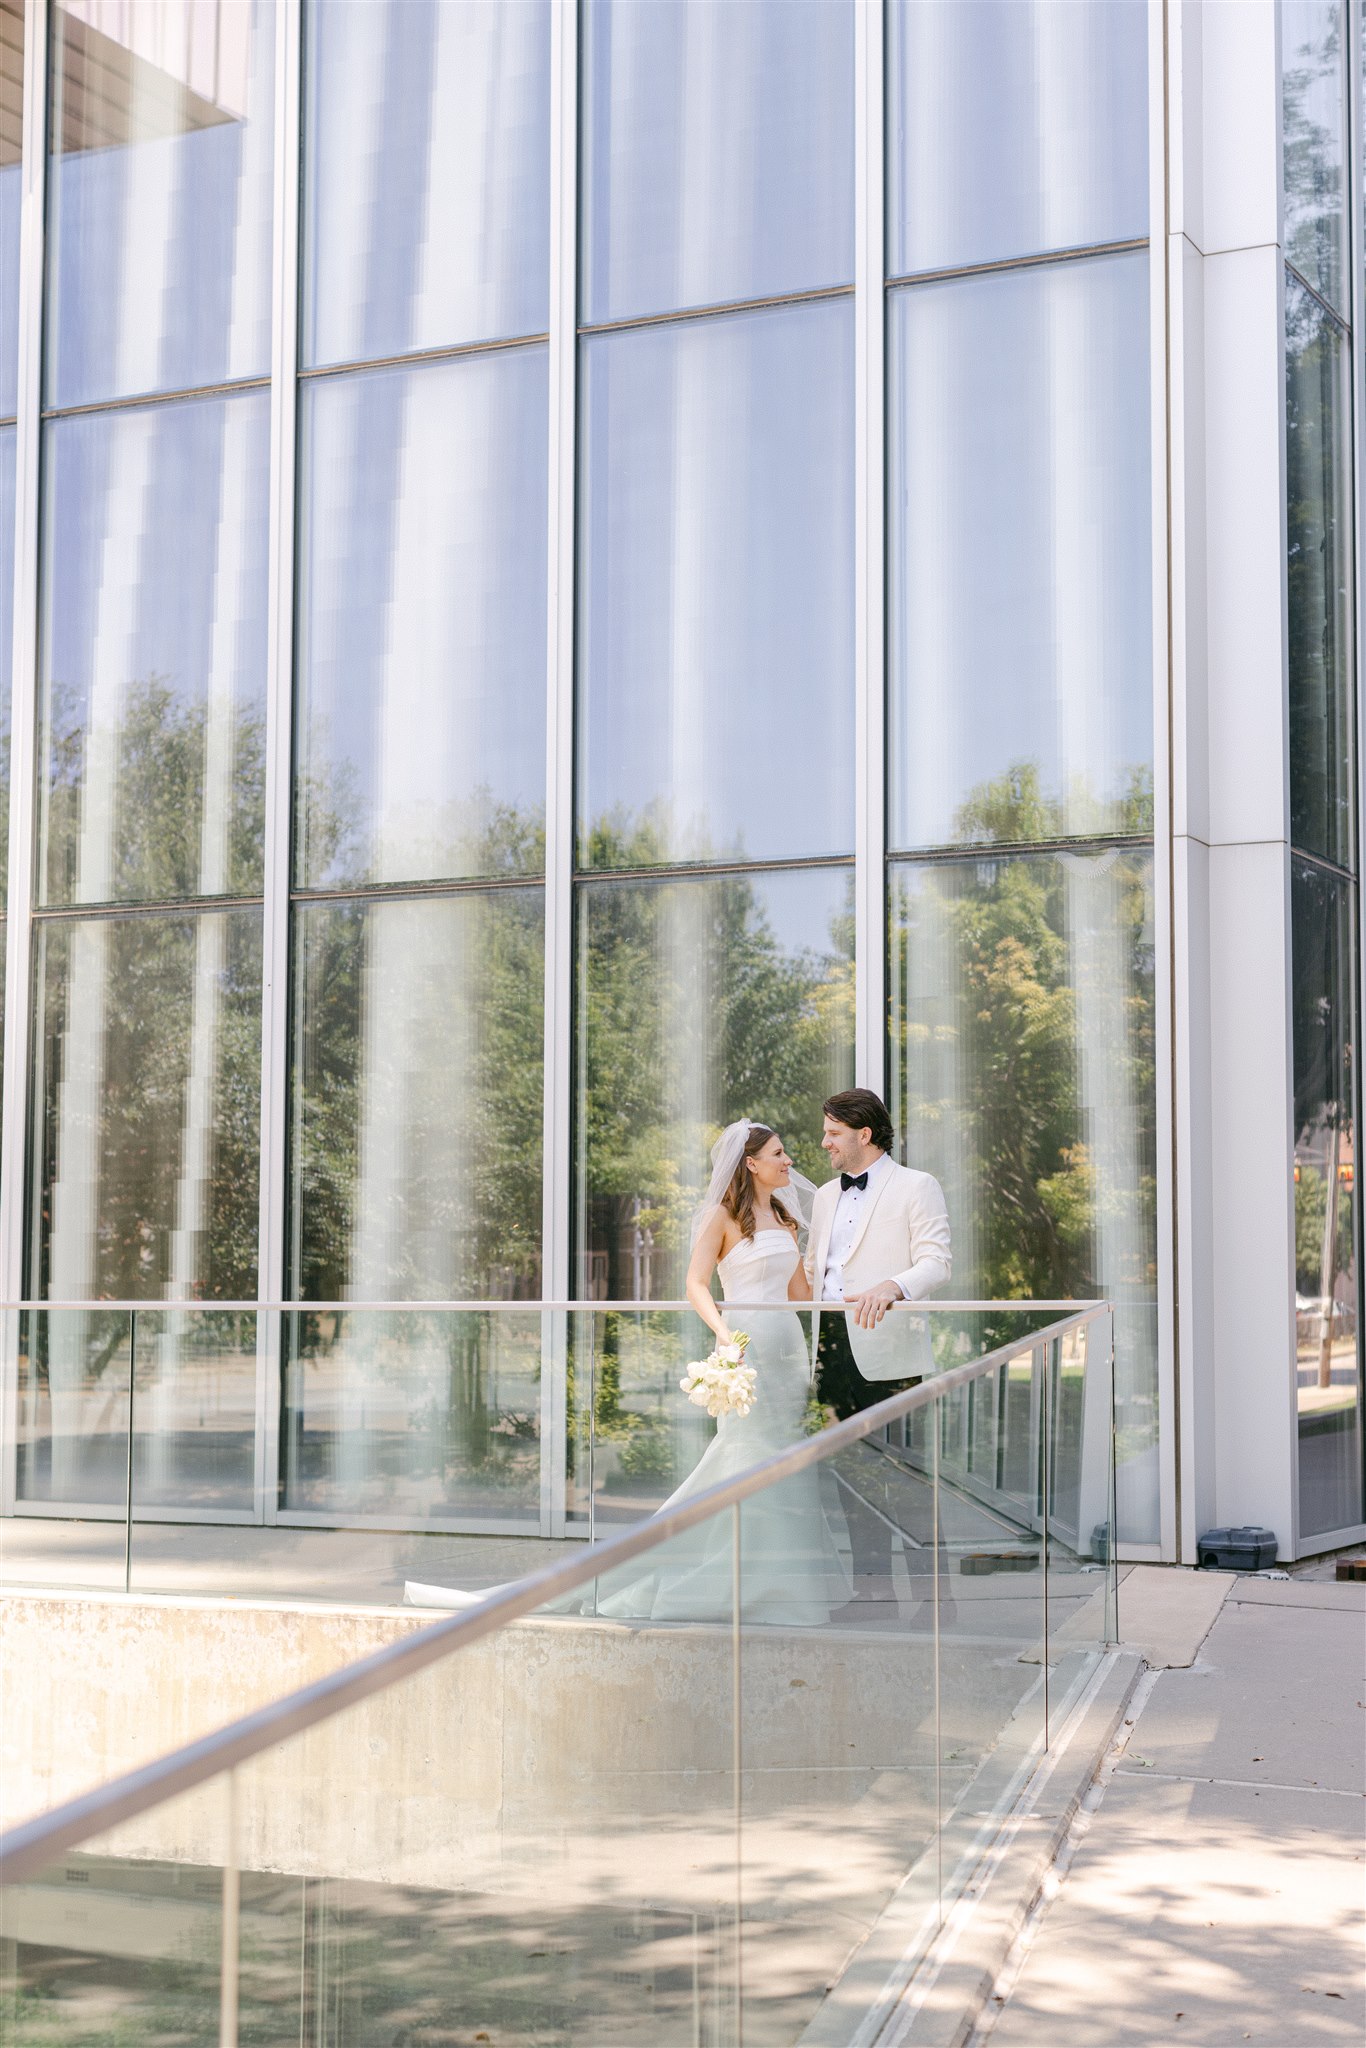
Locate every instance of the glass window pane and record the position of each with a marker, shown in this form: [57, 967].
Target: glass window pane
[7, 444]
[11, 152]
[147, 1099]
[427, 174]
[152, 723]
[1014, 126]
[1314, 142]
[1020, 600]
[417, 1118]
[1327, 1343]
[159, 202]
[699, 1001]
[1023, 1077]
[718, 152]
[427, 1416]
[422, 635]
[716, 706]
[1319, 582]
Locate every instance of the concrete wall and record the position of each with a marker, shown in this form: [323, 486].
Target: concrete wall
[541, 1752]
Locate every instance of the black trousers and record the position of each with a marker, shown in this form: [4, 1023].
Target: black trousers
[841, 1386]
[878, 1502]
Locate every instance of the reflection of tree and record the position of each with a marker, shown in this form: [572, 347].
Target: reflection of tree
[157, 786]
[1317, 579]
[1026, 1053]
[691, 1012]
[455, 1047]
[1313, 129]
[148, 983]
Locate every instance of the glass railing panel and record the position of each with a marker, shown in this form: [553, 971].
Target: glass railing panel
[536, 1837]
[988, 1553]
[419, 1415]
[122, 1939]
[642, 1435]
[71, 1471]
[837, 1746]
[724, 1789]
[192, 1505]
[1079, 1478]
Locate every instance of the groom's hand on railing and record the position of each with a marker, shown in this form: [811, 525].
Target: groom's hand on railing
[872, 1305]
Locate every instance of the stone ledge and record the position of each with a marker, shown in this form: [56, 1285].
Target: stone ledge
[939, 2005]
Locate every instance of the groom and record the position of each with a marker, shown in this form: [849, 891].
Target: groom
[879, 1235]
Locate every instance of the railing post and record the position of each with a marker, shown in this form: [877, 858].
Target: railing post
[230, 1958]
[128, 1480]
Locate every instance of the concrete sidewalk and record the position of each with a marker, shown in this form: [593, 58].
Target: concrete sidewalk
[1216, 1889]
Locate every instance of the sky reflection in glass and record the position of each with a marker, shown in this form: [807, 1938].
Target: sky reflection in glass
[1014, 127]
[11, 147]
[422, 636]
[427, 175]
[7, 451]
[718, 152]
[716, 706]
[1020, 555]
[1314, 143]
[159, 200]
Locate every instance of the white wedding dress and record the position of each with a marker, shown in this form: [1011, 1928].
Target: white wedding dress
[790, 1570]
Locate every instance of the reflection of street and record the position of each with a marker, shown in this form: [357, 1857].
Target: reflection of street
[1341, 1390]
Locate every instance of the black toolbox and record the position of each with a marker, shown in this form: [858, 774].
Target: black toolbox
[1245, 1549]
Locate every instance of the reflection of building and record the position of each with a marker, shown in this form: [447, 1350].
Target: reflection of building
[567, 580]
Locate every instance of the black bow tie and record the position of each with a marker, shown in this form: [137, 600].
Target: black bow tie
[853, 1180]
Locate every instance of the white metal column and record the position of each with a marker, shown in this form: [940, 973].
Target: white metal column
[559, 745]
[1161, 250]
[23, 740]
[870, 565]
[279, 752]
[1230, 780]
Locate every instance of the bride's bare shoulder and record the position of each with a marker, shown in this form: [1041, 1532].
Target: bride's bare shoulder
[718, 1231]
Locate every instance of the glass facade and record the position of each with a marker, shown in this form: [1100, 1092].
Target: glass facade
[1323, 714]
[1020, 661]
[452, 680]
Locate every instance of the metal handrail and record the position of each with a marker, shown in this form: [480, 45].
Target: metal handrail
[152, 1305]
[27, 1848]
[527, 1307]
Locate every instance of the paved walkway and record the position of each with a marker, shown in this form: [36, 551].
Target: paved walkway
[1216, 1892]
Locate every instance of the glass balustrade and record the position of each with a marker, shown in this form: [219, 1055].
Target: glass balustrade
[716, 1778]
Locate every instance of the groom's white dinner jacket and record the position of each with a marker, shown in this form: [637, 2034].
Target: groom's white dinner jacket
[902, 1235]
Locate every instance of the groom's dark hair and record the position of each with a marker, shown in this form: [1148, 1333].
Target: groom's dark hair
[861, 1110]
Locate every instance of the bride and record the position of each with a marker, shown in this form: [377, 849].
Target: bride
[747, 1232]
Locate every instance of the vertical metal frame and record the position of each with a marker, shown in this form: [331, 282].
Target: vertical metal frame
[279, 751]
[24, 720]
[870, 549]
[1356, 305]
[1161, 142]
[559, 745]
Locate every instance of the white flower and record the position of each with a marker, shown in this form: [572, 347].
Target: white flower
[721, 1383]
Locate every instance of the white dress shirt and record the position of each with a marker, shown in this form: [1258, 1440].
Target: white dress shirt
[849, 1212]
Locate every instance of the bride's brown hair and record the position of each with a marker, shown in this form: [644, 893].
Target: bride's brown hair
[738, 1200]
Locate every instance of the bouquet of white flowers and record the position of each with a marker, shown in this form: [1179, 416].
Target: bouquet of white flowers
[722, 1383]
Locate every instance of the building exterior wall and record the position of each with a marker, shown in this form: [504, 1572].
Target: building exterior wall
[578, 572]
